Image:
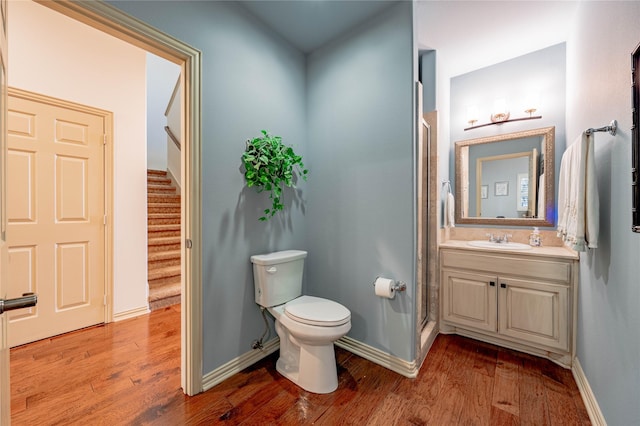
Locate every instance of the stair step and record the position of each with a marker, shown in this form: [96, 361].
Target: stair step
[161, 198]
[164, 255]
[163, 281]
[164, 295]
[164, 227]
[152, 172]
[170, 230]
[158, 234]
[158, 180]
[163, 244]
[163, 219]
[162, 259]
[161, 189]
[166, 272]
[166, 289]
[163, 208]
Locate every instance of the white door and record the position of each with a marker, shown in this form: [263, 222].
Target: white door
[5, 397]
[56, 215]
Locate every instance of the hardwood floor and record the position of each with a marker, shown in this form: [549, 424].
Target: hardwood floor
[128, 373]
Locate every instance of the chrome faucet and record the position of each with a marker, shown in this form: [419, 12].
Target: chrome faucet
[499, 239]
[504, 239]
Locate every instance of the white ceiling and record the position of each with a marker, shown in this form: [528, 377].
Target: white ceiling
[309, 24]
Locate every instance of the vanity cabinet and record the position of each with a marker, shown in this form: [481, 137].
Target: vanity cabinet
[526, 301]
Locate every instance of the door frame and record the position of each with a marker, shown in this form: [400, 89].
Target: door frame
[114, 22]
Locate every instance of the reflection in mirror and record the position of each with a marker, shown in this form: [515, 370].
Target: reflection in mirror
[506, 179]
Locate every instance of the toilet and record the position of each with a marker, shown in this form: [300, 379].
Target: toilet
[307, 325]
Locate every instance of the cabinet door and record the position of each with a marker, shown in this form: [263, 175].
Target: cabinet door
[534, 312]
[469, 300]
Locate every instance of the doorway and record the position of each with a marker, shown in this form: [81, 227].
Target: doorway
[107, 19]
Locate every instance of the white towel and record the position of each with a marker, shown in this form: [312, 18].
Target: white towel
[578, 201]
[449, 211]
[542, 202]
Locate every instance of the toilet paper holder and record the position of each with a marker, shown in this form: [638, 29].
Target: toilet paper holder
[397, 285]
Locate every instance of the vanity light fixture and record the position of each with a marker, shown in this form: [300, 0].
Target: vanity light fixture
[500, 111]
[501, 115]
[472, 115]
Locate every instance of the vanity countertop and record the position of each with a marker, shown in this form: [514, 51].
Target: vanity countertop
[550, 251]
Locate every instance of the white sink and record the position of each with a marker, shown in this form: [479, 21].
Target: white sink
[500, 246]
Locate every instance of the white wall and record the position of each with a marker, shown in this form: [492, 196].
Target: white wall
[161, 79]
[174, 122]
[86, 66]
[599, 76]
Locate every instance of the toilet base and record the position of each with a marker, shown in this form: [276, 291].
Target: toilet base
[315, 370]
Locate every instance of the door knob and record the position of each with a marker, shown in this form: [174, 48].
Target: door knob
[26, 301]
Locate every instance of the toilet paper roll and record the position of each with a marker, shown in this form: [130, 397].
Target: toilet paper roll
[384, 287]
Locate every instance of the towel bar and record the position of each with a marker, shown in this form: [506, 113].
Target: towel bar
[612, 128]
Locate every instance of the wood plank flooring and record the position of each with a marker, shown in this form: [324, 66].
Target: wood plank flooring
[127, 373]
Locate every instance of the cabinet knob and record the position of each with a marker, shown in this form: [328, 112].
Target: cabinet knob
[492, 283]
[503, 285]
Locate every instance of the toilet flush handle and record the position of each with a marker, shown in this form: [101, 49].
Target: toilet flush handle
[272, 270]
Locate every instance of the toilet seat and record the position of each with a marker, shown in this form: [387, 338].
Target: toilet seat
[317, 311]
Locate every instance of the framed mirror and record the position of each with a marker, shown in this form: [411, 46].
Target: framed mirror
[506, 179]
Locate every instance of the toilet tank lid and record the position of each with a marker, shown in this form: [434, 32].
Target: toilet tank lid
[278, 257]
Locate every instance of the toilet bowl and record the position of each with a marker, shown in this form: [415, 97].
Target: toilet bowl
[306, 325]
[307, 355]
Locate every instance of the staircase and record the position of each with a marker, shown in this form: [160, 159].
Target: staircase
[163, 221]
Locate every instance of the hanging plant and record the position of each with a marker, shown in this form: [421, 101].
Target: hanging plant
[269, 166]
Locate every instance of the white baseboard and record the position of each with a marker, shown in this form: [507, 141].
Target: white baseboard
[393, 363]
[132, 313]
[238, 364]
[589, 399]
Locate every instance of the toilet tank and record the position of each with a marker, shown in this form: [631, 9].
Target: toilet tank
[277, 277]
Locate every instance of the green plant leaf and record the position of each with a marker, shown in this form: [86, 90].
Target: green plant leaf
[270, 166]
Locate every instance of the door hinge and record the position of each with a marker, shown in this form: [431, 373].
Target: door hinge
[104, 220]
[188, 243]
[104, 300]
[104, 139]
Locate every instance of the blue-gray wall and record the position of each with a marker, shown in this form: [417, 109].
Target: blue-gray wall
[347, 108]
[609, 296]
[252, 80]
[360, 210]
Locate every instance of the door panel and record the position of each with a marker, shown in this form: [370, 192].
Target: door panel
[534, 312]
[56, 218]
[469, 300]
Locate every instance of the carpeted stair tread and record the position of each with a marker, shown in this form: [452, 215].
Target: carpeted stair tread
[161, 189]
[164, 255]
[163, 208]
[165, 230]
[154, 172]
[164, 227]
[163, 219]
[163, 241]
[162, 198]
[166, 272]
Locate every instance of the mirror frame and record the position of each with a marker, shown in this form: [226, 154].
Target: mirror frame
[548, 133]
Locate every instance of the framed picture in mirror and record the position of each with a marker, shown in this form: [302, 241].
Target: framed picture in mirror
[502, 189]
